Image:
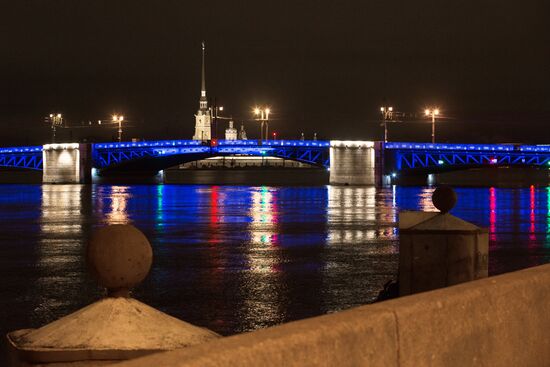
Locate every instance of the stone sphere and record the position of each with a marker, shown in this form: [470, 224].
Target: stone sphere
[119, 256]
[444, 198]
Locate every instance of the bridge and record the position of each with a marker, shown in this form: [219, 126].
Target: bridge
[432, 158]
[352, 162]
[158, 155]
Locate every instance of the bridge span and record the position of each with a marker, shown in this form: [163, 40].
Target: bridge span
[349, 162]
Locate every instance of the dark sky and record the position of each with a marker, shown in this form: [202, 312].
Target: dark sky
[322, 66]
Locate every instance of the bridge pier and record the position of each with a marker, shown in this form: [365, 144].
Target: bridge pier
[355, 163]
[66, 163]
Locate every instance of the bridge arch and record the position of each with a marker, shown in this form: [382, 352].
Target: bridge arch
[159, 155]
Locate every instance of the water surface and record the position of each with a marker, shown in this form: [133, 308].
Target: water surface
[238, 258]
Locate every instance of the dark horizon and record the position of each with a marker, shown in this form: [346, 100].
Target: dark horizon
[321, 67]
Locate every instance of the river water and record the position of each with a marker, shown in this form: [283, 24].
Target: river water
[238, 258]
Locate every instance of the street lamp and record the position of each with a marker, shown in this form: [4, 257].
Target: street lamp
[56, 119]
[387, 114]
[263, 116]
[119, 119]
[432, 112]
[215, 110]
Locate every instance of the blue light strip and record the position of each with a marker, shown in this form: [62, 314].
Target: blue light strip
[176, 143]
[299, 143]
[535, 148]
[463, 147]
[277, 143]
[34, 149]
[304, 143]
[179, 150]
[148, 144]
[241, 150]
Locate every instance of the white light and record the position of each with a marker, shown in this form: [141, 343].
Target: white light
[427, 112]
[352, 143]
[65, 158]
[382, 109]
[394, 174]
[221, 108]
[436, 112]
[60, 146]
[390, 109]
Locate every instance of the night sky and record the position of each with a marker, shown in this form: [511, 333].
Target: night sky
[322, 66]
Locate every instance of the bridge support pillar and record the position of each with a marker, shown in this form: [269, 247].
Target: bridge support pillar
[353, 163]
[67, 163]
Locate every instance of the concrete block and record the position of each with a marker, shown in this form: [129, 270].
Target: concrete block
[500, 321]
[351, 338]
[437, 250]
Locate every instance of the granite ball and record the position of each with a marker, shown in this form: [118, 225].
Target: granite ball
[444, 198]
[119, 257]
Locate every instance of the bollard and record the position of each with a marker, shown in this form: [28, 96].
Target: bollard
[116, 327]
[437, 249]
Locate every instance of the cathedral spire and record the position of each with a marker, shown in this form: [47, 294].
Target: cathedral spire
[203, 101]
[203, 117]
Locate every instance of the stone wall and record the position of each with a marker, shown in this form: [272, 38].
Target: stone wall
[497, 321]
[352, 163]
[61, 163]
[66, 163]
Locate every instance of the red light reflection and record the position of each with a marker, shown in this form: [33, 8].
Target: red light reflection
[492, 214]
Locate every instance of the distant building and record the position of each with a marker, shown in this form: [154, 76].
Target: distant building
[230, 132]
[203, 118]
[242, 133]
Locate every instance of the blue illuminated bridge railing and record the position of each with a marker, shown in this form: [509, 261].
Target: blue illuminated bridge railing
[21, 157]
[426, 156]
[397, 156]
[112, 154]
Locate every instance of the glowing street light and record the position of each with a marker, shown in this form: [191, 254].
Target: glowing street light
[56, 119]
[119, 119]
[387, 114]
[263, 116]
[433, 112]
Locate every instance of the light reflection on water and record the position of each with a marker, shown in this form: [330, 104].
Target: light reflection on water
[118, 209]
[236, 258]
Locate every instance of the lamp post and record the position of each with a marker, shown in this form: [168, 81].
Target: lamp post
[119, 119]
[262, 115]
[215, 110]
[387, 114]
[56, 119]
[433, 112]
